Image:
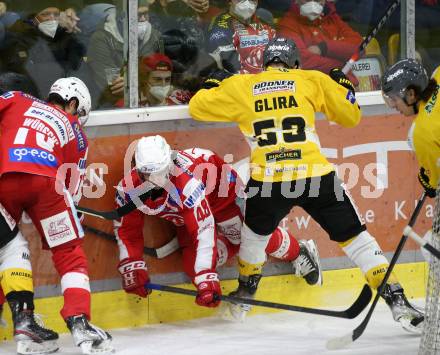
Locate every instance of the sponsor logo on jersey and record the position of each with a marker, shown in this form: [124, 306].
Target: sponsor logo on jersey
[267, 87]
[58, 229]
[194, 190]
[283, 154]
[351, 97]
[32, 155]
[247, 41]
[79, 134]
[7, 95]
[51, 113]
[431, 103]
[278, 102]
[41, 127]
[21, 274]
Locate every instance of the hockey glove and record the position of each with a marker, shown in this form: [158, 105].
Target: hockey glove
[424, 180]
[134, 276]
[338, 76]
[215, 79]
[208, 289]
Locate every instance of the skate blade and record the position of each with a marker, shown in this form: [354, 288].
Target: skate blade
[105, 347]
[406, 325]
[29, 347]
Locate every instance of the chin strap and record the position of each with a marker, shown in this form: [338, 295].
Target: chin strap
[414, 105]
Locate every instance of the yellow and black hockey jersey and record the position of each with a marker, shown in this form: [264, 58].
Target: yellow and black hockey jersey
[275, 110]
[424, 135]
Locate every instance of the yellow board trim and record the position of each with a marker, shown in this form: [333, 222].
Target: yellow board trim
[116, 309]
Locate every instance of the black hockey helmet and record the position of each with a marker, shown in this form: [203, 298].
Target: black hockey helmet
[401, 75]
[281, 50]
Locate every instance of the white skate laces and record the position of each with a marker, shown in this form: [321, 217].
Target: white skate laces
[307, 264]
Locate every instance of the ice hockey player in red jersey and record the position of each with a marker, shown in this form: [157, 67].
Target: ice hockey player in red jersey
[200, 194]
[43, 151]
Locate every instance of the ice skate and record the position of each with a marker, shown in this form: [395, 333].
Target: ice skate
[307, 264]
[247, 287]
[90, 338]
[403, 312]
[30, 336]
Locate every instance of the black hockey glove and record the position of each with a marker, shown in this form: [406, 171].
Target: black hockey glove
[337, 75]
[424, 180]
[215, 79]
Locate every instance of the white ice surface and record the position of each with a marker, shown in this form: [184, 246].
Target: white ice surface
[285, 333]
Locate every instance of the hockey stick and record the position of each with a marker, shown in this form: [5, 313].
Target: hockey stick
[409, 232]
[353, 311]
[370, 36]
[340, 342]
[116, 213]
[159, 253]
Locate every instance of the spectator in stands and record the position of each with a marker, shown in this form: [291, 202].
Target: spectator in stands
[105, 54]
[324, 40]
[155, 88]
[39, 46]
[183, 34]
[237, 38]
[7, 18]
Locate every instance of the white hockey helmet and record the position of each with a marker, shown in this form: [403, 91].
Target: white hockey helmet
[69, 88]
[153, 159]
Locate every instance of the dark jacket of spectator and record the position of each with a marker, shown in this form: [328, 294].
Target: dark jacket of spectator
[336, 41]
[106, 50]
[27, 50]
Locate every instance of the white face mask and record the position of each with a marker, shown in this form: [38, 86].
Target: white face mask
[160, 92]
[311, 9]
[144, 31]
[244, 9]
[49, 28]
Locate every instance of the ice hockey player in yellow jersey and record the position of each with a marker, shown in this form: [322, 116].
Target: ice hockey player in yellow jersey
[275, 110]
[407, 88]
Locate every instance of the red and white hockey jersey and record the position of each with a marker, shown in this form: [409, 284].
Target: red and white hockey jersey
[200, 186]
[38, 138]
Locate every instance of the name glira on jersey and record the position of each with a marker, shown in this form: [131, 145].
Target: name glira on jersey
[274, 103]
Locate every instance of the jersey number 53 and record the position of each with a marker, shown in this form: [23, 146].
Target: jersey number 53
[292, 129]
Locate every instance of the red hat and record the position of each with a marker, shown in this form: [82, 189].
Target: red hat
[156, 61]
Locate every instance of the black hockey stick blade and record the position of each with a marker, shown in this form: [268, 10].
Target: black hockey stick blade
[341, 342]
[109, 215]
[159, 253]
[116, 213]
[353, 311]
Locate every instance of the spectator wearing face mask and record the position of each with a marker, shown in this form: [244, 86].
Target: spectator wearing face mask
[155, 88]
[40, 46]
[105, 54]
[237, 38]
[324, 40]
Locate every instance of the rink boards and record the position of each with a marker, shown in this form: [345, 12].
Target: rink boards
[374, 160]
[116, 309]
